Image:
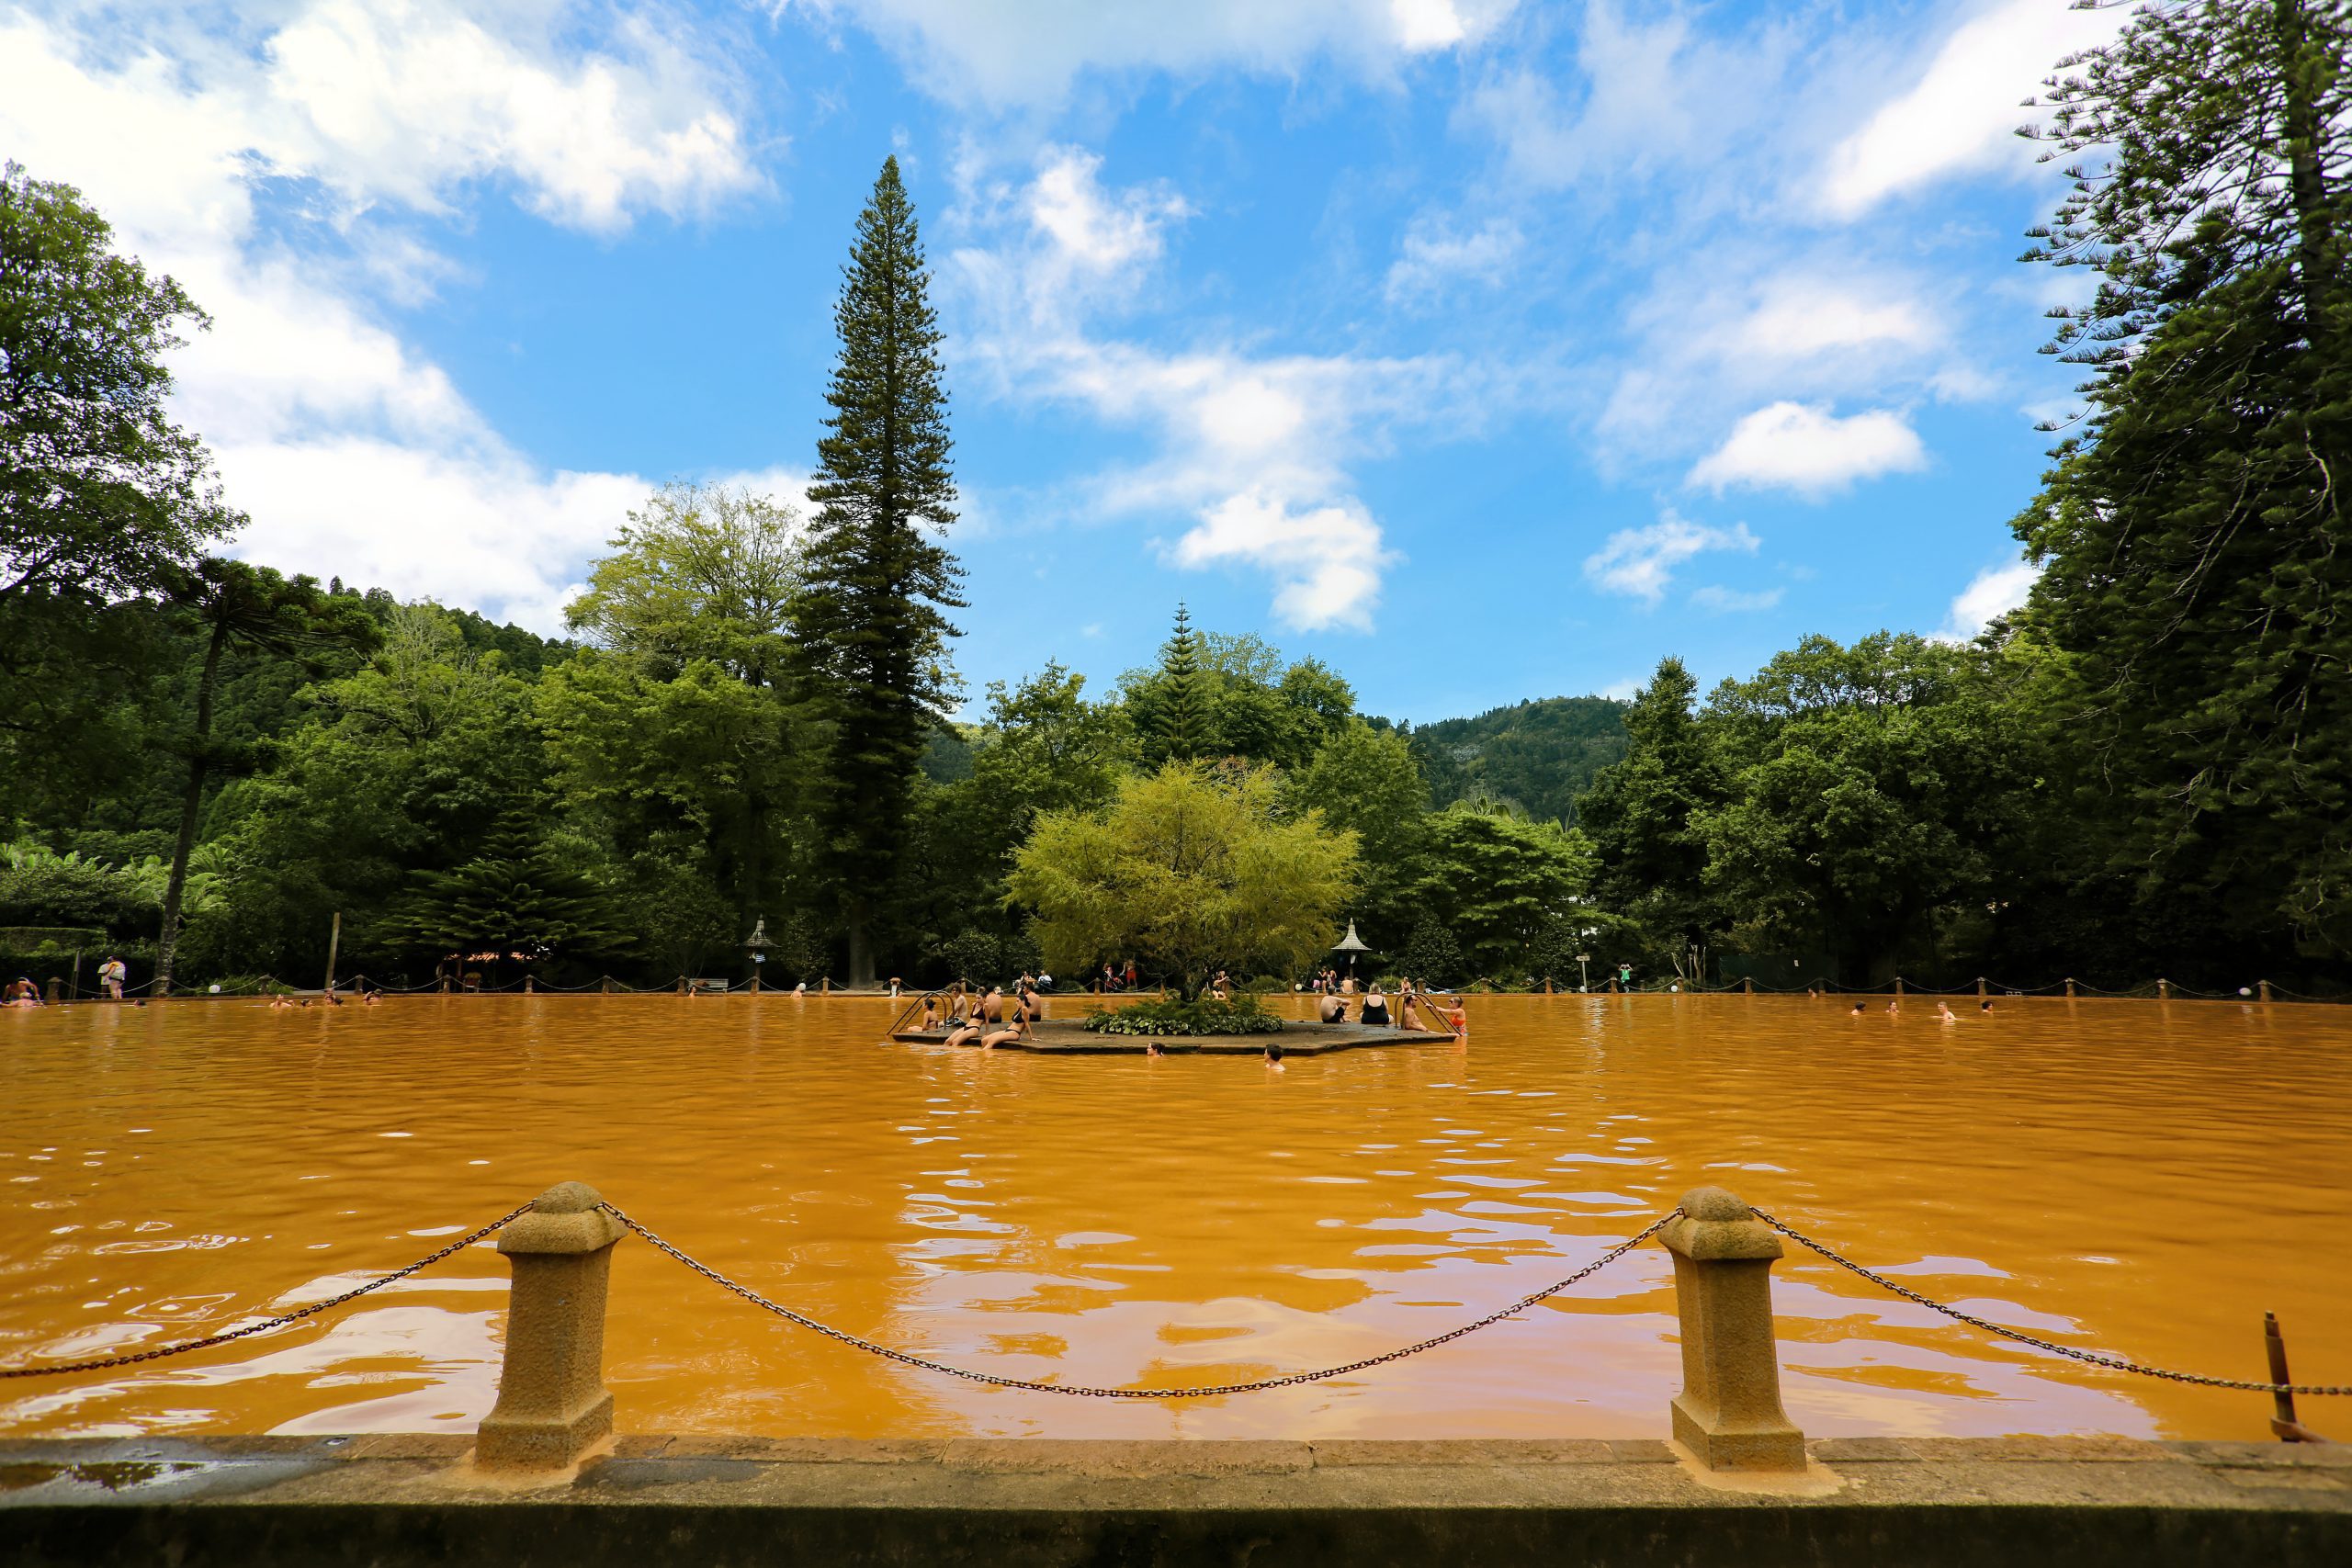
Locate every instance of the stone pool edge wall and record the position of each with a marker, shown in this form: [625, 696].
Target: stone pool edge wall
[389, 1501]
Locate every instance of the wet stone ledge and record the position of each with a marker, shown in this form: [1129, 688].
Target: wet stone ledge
[387, 1502]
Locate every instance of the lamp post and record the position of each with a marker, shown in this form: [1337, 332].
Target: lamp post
[1584, 981]
[757, 945]
[1351, 944]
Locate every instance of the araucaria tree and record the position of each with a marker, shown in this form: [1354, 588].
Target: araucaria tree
[2194, 528]
[1171, 708]
[873, 636]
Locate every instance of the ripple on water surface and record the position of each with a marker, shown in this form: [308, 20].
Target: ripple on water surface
[2131, 1178]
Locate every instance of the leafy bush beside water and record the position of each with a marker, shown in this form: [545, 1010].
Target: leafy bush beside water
[1243, 1015]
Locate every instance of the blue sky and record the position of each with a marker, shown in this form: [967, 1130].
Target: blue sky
[1484, 350]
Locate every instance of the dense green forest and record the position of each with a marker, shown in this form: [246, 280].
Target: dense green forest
[2144, 771]
[1536, 757]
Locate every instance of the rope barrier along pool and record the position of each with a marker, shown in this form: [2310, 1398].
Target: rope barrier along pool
[1083, 1391]
[2112, 1363]
[102, 1363]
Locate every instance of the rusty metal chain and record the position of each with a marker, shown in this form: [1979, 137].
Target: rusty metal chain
[2112, 1363]
[1083, 1391]
[252, 1328]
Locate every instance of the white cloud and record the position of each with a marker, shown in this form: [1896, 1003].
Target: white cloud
[1253, 449]
[1640, 563]
[1805, 449]
[1434, 258]
[1003, 53]
[396, 99]
[352, 454]
[1802, 316]
[1326, 559]
[1992, 593]
[1651, 95]
[1729, 600]
[1092, 233]
[1959, 115]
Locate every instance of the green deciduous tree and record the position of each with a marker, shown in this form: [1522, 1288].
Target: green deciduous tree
[1431, 956]
[234, 604]
[2194, 527]
[1192, 870]
[1642, 815]
[871, 619]
[700, 572]
[1369, 780]
[1872, 785]
[99, 490]
[1497, 881]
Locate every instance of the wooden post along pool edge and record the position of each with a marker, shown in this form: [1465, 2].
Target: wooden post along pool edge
[552, 1403]
[1728, 1414]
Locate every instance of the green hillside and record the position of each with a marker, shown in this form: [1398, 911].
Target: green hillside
[1539, 755]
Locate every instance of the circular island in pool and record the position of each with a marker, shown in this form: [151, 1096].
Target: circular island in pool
[1070, 1037]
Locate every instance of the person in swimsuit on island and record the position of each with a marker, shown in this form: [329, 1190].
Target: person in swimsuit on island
[962, 1030]
[1332, 1007]
[992, 1006]
[1375, 1014]
[1016, 1030]
[1033, 1005]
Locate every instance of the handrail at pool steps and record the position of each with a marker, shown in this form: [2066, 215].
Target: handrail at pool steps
[552, 1404]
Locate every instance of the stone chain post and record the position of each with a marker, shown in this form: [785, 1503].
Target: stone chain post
[2264, 988]
[1980, 987]
[2070, 987]
[1728, 1414]
[2164, 990]
[552, 1403]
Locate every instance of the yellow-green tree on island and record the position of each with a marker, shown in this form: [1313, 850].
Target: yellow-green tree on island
[1190, 870]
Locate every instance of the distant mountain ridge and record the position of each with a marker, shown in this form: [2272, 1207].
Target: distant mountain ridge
[1537, 755]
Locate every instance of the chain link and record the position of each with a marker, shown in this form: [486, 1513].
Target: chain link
[1083, 1391]
[456, 1246]
[2111, 1362]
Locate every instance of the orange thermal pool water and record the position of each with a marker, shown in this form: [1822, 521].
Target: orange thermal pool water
[2134, 1178]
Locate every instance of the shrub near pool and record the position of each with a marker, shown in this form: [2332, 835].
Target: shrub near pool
[1242, 1015]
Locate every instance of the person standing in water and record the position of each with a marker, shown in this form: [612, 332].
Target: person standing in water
[112, 974]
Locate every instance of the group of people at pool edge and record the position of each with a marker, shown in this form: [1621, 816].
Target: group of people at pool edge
[22, 993]
[984, 1024]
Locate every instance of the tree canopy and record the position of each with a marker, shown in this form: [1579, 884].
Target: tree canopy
[1190, 870]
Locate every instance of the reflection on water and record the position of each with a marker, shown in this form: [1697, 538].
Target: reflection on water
[2138, 1178]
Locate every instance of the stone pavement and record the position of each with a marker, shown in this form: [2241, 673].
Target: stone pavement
[646, 1501]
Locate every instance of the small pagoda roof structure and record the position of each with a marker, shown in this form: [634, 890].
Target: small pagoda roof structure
[1351, 942]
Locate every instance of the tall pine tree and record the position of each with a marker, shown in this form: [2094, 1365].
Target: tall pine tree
[1175, 707]
[2199, 571]
[874, 637]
